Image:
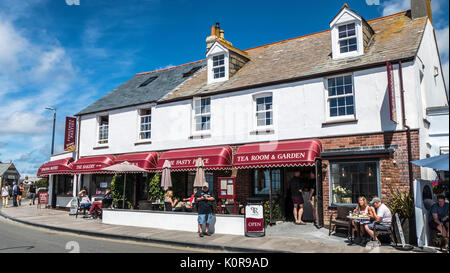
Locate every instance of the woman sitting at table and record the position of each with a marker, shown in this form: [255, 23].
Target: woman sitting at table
[362, 209]
[168, 198]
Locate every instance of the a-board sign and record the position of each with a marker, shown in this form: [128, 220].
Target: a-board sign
[73, 206]
[43, 198]
[254, 220]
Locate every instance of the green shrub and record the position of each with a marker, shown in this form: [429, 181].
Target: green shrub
[155, 191]
[401, 203]
[42, 183]
[276, 211]
[117, 189]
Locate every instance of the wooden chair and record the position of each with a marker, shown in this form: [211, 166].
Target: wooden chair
[167, 206]
[79, 209]
[340, 220]
[390, 232]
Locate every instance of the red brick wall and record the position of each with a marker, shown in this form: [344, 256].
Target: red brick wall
[390, 174]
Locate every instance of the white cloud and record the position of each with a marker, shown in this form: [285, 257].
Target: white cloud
[394, 6]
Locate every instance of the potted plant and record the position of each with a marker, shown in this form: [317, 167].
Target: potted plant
[438, 186]
[402, 204]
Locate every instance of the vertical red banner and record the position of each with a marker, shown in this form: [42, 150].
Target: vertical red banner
[69, 138]
[391, 92]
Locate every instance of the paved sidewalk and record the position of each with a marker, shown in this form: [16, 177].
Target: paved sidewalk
[60, 220]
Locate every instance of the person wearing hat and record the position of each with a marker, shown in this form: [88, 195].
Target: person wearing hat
[383, 217]
[205, 209]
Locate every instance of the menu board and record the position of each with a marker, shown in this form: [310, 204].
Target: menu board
[227, 187]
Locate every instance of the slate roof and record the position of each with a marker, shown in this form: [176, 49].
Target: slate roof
[396, 37]
[4, 167]
[130, 93]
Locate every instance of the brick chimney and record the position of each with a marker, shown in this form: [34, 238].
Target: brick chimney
[421, 8]
[216, 34]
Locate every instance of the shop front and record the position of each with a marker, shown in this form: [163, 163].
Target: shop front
[266, 169]
[217, 161]
[61, 187]
[91, 176]
[96, 181]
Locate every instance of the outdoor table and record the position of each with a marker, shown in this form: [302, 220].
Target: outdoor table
[359, 221]
[157, 204]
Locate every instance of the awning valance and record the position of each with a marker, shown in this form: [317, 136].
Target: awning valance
[147, 160]
[214, 158]
[288, 153]
[60, 166]
[92, 164]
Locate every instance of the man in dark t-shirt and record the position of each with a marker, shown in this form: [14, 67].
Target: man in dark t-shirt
[297, 186]
[205, 209]
[32, 192]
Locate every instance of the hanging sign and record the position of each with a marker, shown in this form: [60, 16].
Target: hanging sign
[254, 220]
[69, 138]
[391, 91]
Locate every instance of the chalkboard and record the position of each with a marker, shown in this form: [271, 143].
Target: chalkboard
[73, 206]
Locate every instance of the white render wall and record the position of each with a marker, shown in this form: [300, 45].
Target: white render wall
[233, 225]
[299, 111]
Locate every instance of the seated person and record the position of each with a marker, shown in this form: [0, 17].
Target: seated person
[362, 209]
[383, 217]
[190, 201]
[439, 216]
[168, 198]
[84, 200]
[107, 199]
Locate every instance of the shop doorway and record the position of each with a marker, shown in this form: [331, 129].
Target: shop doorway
[286, 201]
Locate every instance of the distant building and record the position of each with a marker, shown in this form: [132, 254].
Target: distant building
[8, 173]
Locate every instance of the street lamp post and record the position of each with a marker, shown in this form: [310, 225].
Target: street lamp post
[54, 121]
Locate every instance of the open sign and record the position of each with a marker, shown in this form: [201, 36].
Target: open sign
[254, 220]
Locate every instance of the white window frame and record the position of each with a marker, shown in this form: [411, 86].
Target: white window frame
[219, 66]
[328, 117]
[100, 142]
[255, 112]
[194, 116]
[355, 36]
[140, 116]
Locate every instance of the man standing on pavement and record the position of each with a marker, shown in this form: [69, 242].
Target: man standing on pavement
[205, 209]
[32, 192]
[297, 186]
[15, 193]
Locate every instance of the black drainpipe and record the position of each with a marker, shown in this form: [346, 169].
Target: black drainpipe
[412, 222]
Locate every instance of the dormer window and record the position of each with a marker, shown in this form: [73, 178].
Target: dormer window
[219, 66]
[350, 34]
[224, 60]
[347, 38]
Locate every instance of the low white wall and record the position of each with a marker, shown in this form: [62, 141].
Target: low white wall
[221, 224]
[63, 202]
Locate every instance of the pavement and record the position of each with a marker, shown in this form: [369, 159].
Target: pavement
[286, 237]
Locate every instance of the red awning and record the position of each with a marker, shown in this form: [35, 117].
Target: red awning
[215, 158]
[60, 166]
[148, 161]
[92, 164]
[278, 154]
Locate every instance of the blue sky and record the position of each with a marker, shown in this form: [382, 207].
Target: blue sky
[68, 56]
